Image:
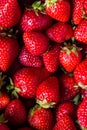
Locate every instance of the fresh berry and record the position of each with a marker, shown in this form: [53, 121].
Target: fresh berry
[10, 13]
[51, 58]
[3, 126]
[58, 9]
[59, 32]
[27, 59]
[40, 118]
[15, 113]
[35, 42]
[48, 94]
[70, 56]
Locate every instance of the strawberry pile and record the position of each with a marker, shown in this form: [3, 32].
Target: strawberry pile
[43, 65]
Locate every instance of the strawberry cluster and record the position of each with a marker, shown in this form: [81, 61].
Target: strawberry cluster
[43, 65]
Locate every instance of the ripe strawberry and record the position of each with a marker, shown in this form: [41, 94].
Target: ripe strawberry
[8, 52]
[80, 74]
[68, 108]
[35, 42]
[70, 56]
[58, 9]
[9, 13]
[24, 128]
[85, 7]
[67, 86]
[32, 21]
[47, 93]
[65, 123]
[3, 126]
[77, 11]
[4, 100]
[82, 113]
[15, 112]
[80, 33]
[27, 59]
[40, 118]
[59, 32]
[51, 58]
[26, 80]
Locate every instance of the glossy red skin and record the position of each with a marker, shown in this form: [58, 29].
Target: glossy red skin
[41, 119]
[77, 14]
[59, 32]
[80, 33]
[51, 58]
[32, 21]
[70, 61]
[4, 100]
[80, 73]
[15, 113]
[65, 123]
[82, 113]
[27, 80]
[8, 52]
[68, 108]
[10, 13]
[27, 59]
[35, 42]
[4, 127]
[85, 6]
[49, 90]
[68, 91]
[59, 11]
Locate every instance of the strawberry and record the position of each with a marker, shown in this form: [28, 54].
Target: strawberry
[58, 9]
[85, 7]
[67, 85]
[65, 123]
[15, 112]
[32, 21]
[47, 93]
[82, 113]
[77, 11]
[4, 100]
[10, 13]
[26, 81]
[80, 74]
[35, 42]
[27, 59]
[51, 58]
[8, 52]
[3, 126]
[40, 118]
[67, 107]
[59, 32]
[80, 33]
[70, 56]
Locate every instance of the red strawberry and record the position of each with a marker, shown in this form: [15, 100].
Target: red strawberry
[9, 13]
[59, 32]
[4, 100]
[68, 108]
[8, 52]
[82, 113]
[68, 90]
[36, 42]
[58, 9]
[85, 7]
[26, 80]
[51, 58]
[32, 21]
[40, 118]
[80, 74]
[65, 123]
[80, 33]
[3, 126]
[47, 93]
[15, 113]
[27, 59]
[70, 56]
[77, 11]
